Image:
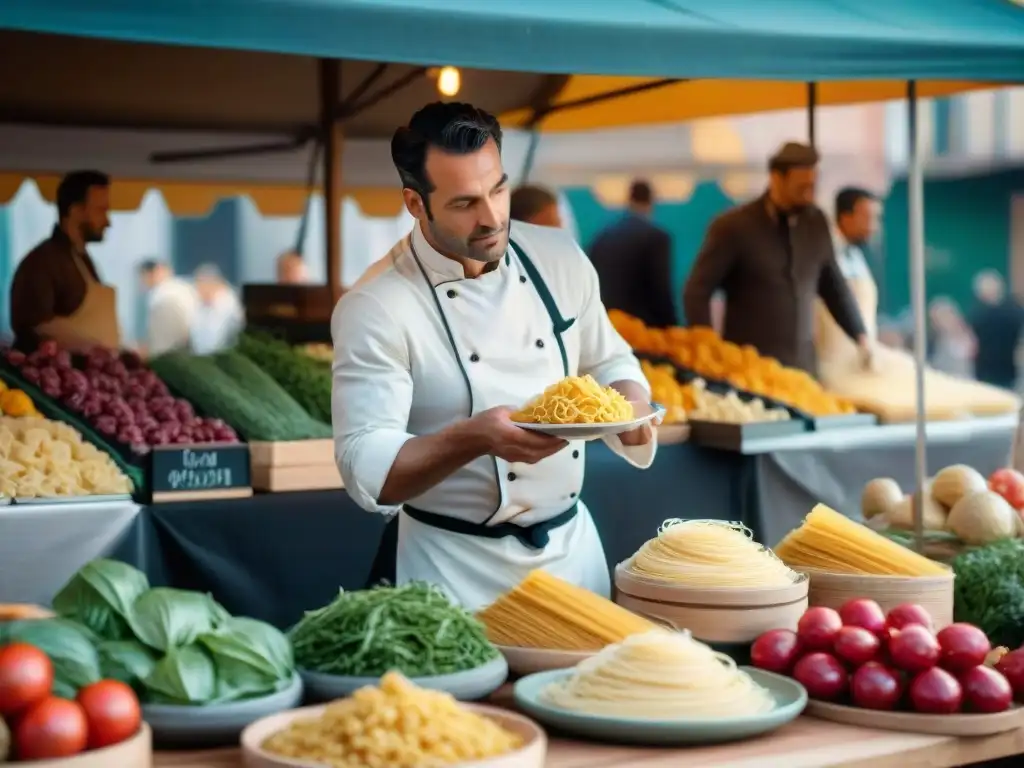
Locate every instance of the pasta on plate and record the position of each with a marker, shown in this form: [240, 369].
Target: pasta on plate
[576, 400]
[395, 725]
[660, 675]
[40, 458]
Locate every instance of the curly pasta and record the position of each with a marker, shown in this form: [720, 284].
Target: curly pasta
[576, 400]
[395, 725]
[40, 458]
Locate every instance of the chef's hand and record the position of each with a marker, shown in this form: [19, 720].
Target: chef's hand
[511, 443]
[866, 352]
[643, 434]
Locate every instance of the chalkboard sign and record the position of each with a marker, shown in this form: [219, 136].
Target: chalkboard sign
[208, 471]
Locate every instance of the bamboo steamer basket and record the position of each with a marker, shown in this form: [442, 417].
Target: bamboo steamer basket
[714, 615]
[933, 593]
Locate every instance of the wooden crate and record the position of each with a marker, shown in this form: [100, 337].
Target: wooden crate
[296, 465]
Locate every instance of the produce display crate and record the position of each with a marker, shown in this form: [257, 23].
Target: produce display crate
[297, 313]
[49, 408]
[296, 465]
[737, 437]
[183, 472]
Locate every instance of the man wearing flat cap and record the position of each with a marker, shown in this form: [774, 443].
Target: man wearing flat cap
[772, 258]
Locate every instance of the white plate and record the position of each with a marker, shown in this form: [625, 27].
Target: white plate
[593, 431]
[526, 661]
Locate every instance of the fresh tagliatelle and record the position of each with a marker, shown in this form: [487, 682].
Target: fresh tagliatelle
[659, 675]
[709, 553]
[576, 400]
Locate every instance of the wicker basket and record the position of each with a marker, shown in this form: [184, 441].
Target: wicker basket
[933, 593]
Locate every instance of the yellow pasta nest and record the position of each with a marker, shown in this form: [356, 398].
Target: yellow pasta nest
[396, 725]
[43, 458]
[576, 400]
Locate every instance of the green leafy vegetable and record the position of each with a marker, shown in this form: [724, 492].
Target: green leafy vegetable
[183, 676]
[100, 596]
[165, 618]
[252, 658]
[413, 629]
[69, 646]
[989, 591]
[126, 660]
[302, 377]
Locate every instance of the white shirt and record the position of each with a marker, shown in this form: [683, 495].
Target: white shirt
[172, 306]
[216, 326]
[851, 259]
[396, 377]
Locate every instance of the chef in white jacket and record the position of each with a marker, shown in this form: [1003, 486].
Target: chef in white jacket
[463, 321]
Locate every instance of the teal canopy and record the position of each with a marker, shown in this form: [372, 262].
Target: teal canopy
[769, 39]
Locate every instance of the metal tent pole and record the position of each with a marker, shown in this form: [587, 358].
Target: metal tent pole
[915, 216]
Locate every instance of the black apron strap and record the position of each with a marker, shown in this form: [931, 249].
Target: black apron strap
[559, 324]
[534, 536]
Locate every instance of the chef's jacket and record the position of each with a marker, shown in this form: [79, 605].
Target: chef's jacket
[172, 307]
[418, 347]
[216, 326]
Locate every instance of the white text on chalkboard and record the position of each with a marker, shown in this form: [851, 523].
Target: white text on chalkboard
[198, 459]
[198, 479]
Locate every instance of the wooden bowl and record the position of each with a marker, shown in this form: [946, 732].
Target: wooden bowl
[531, 755]
[941, 725]
[136, 752]
[933, 593]
[526, 661]
[713, 614]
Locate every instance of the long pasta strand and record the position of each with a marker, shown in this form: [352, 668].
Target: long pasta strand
[829, 541]
[544, 611]
[660, 675]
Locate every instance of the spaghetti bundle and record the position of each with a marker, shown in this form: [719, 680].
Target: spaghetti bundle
[660, 675]
[828, 541]
[709, 553]
[576, 400]
[545, 612]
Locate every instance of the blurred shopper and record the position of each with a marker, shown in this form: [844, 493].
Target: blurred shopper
[857, 213]
[219, 317]
[171, 308]
[633, 259]
[996, 321]
[535, 205]
[773, 257]
[952, 342]
[291, 269]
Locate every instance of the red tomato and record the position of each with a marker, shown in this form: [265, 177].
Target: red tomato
[112, 710]
[51, 728]
[26, 676]
[1008, 483]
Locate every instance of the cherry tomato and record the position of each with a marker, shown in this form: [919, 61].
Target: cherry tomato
[112, 711]
[26, 676]
[51, 728]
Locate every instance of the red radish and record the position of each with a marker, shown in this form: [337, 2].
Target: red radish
[1011, 666]
[875, 686]
[914, 648]
[936, 692]
[963, 646]
[776, 651]
[862, 612]
[822, 676]
[1008, 483]
[906, 614]
[856, 645]
[985, 690]
[818, 627]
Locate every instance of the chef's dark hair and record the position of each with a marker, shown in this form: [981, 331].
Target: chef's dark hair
[149, 265]
[74, 188]
[793, 155]
[528, 200]
[452, 127]
[848, 197]
[640, 193]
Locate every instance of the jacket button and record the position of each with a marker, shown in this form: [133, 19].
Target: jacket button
[474, 358]
[572, 495]
[522, 278]
[511, 476]
[452, 294]
[540, 343]
[575, 454]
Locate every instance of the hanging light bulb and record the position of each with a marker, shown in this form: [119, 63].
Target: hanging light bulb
[449, 80]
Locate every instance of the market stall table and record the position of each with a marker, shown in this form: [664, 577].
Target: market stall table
[807, 743]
